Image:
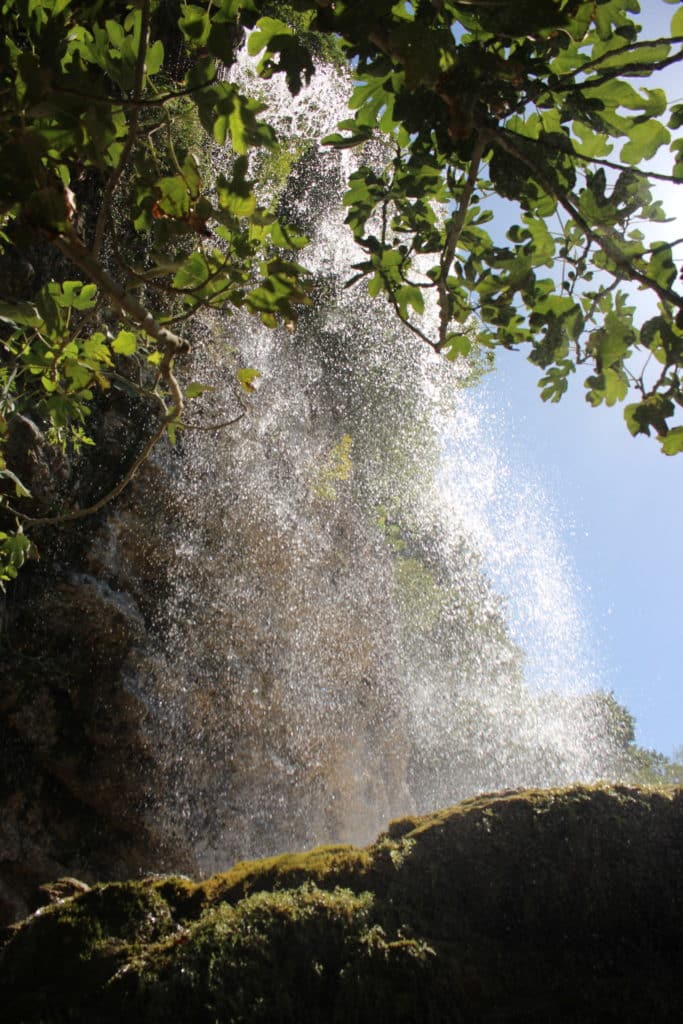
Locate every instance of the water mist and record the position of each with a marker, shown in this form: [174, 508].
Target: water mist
[332, 650]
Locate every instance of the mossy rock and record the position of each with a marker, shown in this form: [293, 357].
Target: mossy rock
[529, 906]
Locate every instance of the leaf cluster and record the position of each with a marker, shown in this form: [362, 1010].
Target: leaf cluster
[539, 105]
[94, 108]
[533, 114]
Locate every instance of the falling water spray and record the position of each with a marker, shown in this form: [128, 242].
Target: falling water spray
[335, 645]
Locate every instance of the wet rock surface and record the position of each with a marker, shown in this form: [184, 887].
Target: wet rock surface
[155, 710]
[76, 763]
[274, 637]
[280, 633]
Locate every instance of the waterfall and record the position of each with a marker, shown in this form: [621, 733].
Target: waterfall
[334, 644]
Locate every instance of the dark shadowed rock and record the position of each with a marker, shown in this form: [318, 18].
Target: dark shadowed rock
[523, 906]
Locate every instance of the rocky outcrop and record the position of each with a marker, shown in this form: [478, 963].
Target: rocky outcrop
[556, 905]
[77, 761]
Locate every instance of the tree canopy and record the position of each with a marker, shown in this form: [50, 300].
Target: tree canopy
[515, 196]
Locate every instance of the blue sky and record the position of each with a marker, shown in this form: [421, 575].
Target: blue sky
[620, 502]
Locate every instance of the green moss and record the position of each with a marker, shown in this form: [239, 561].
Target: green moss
[72, 948]
[277, 164]
[423, 600]
[183, 896]
[562, 905]
[302, 939]
[326, 866]
[336, 468]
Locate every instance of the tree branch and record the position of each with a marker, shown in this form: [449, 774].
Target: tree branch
[608, 245]
[454, 232]
[135, 104]
[73, 248]
[81, 513]
[170, 344]
[411, 327]
[621, 71]
[639, 44]
[601, 161]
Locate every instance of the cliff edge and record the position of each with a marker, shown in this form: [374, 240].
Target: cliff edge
[530, 905]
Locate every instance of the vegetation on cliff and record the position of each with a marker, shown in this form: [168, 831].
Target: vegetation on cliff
[560, 905]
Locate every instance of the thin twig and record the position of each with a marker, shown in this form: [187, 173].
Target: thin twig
[136, 104]
[411, 327]
[171, 345]
[81, 513]
[627, 48]
[622, 71]
[212, 427]
[612, 164]
[608, 245]
[73, 248]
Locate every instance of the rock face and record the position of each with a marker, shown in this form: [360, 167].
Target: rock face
[274, 637]
[555, 905]
[164, 704]
[280, 633]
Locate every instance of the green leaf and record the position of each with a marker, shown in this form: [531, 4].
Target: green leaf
[276, 37]
[96, 350]
[20, 314]
[555, 382]
[193, 272]
[457, 345]
[233, 10]
[610, 386]
[375, 285]
[591, 143]
[235, 195]
[284, 236]
[125, 343]
[202, 73]
[677, 150]
[195, 24]
[234, 115]
[645, 140]
[611, 344]
[361, 134]
[247, 377]
[652, 411]
[174, 200]
[409, 295]
[77, 377]
[676, 114]
[154, 60]
[15, 548]
[672, 443]
[19, 489]
[74, 294]
[195, 389]
[265, 29]
[661, 267]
